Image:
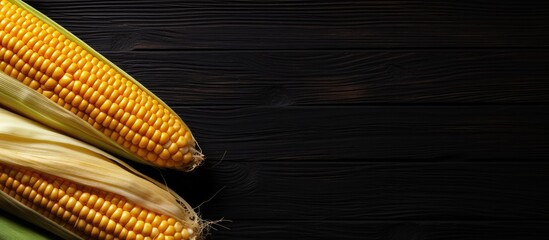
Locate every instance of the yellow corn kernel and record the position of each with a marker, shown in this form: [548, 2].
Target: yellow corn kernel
[72, 208]
[55, 65]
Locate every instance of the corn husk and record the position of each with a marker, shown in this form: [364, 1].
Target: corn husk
[12, 227]
[25, 101]
[25, 143]
[20, 98]
[12, 230]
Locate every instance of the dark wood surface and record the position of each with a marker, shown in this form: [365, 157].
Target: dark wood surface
[346, 119]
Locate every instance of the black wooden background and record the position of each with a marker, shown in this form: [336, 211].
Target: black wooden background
[346, 119]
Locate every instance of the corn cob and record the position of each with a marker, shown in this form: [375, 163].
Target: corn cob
[88, 195]
[87, 211]
[48, 59]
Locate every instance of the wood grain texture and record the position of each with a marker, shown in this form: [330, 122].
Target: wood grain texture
[374, 133]
[300, 24]
[340, 77]
[367, 230]
[359, 200]
[342, 191]
[382, 120]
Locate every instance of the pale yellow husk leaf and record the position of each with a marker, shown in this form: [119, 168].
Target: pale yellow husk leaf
[32, 104]
[28, 144]
[27, 102]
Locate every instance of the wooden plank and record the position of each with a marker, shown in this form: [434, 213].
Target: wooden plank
[201, 24]
[372, 133]
[341, 77]
[366, 230]
[361, 191]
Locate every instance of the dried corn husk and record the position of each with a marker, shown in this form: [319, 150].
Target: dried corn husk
[27, 144]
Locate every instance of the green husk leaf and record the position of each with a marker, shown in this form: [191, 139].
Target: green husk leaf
[13, 228]
[20, 230]
[27, 144]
